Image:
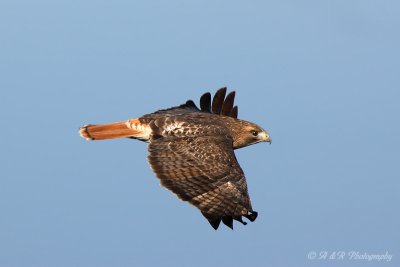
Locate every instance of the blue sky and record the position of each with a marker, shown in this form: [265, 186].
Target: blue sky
[321, 76]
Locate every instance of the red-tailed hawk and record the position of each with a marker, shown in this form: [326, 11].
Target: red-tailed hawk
[191, 151]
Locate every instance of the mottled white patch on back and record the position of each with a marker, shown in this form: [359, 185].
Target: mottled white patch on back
[175, 127]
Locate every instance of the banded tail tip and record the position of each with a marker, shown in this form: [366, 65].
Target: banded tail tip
[84, 132]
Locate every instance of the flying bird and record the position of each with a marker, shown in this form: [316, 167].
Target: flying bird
[191, 151]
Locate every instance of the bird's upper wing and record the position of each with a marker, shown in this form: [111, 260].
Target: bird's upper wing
[220, 105]
[203, 170]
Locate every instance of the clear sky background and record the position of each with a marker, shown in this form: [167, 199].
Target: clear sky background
[321, 76]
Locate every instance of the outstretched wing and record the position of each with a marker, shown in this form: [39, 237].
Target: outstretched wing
[220, 105]
[204, 171]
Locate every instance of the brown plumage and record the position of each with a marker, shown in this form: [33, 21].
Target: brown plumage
[191, 151]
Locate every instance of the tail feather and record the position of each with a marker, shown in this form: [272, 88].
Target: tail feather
[130, 128]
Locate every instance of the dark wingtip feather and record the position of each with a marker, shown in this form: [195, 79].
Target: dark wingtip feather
[252, 216]
[239, 219]
[218, 100]
[205, 102]
[190, 103]
[212, 220]
[228, 221]
[228, 104]
[219, 105]
[234, 112]
[214, 223]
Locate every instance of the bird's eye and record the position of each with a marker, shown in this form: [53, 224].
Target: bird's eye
[254, 133]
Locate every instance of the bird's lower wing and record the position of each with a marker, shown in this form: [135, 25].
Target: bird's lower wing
[203, 171]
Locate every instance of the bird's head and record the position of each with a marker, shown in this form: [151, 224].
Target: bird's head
[248, 134]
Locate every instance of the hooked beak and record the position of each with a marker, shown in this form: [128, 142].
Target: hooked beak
[264, 136]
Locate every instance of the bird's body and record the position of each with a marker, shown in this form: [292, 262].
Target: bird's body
[191, 152]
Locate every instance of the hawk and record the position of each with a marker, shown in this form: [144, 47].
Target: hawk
[191, 151]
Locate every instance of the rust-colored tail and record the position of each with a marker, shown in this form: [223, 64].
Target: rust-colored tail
[130, 128]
